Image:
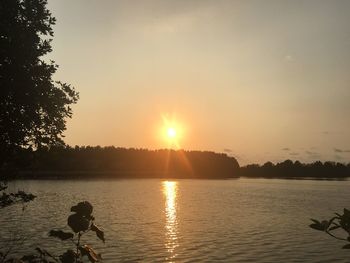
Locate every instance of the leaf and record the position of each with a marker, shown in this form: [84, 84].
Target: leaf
[347, 246]
[39, 250]
[99, 233]
[321, 226]
[325, 224]
[69, 256]
[78, 223]
[83, 208]
[29, 258]
[315, 221]
[334, 227]
[317, 227]
[88, 251]
[61, 235]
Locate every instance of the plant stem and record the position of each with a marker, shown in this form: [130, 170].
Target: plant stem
[339, 238]
[78, 244]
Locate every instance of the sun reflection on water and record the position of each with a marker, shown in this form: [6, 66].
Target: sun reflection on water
[171, 230]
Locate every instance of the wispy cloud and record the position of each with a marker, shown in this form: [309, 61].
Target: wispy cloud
[337, 150]
[294, 153]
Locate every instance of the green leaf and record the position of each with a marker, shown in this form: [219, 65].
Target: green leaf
[61, 235]
[99, 233]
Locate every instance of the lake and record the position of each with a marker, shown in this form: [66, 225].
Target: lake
[242, 220]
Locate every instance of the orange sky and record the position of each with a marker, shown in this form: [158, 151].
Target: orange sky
[260, 80]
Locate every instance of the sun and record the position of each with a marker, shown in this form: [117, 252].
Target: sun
[171, 132]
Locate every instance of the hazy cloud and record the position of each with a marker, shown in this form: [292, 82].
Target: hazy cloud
[294, 153]
[338, 150]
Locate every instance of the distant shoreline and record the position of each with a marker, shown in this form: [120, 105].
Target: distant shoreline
[87, 175]
[135, 175]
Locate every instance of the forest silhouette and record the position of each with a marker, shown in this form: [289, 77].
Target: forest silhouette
[65, 162]
[94, 162]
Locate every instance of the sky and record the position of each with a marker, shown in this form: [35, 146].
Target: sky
[258, 80]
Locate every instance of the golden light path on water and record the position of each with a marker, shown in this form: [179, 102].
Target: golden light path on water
[171, 229]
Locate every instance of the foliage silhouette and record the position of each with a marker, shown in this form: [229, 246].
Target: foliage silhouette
[338, 222]
[85, 162]
[33, 107]
[7, 199]
[81, 222]
[290, 169]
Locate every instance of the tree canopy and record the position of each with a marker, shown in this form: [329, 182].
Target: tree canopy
[33, 107]
[95, 162]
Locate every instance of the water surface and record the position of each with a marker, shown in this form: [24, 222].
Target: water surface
[243, 220]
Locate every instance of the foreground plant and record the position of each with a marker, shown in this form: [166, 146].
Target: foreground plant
[7, 199]
[81, 222]
[338, 222]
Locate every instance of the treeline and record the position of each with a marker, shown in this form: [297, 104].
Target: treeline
[290, 169]
[83, 162]
[94, 162]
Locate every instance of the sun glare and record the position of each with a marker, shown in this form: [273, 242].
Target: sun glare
[171, 132]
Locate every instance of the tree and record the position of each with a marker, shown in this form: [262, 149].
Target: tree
[33, 107]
